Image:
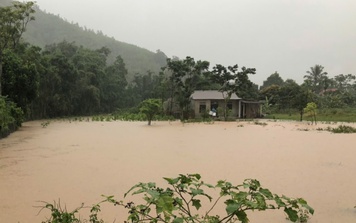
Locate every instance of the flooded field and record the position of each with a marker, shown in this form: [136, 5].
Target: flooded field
[79, 161]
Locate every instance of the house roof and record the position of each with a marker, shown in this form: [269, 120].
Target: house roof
[211, 95]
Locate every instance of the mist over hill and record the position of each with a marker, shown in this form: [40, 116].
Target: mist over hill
[48, 29]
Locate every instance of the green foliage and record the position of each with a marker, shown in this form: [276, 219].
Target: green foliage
[65, 79]
[77, 81]
[273, 79]
[150, 107]
[338, 92]
[259, 123]
[11, 117]
[45, 124]
[184, 201]
[13, 22]
[317, 79]
[303, 129]
[128, 116]
[20, 75]
[113, 86]
[325, 115]
[186, 77]
[208, 120]
[205, 116]
[311, 111]
[290, 96]
[342, 129]
[62, 215]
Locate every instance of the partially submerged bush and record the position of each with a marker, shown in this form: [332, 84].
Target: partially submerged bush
[181, 202]
[11, 117]
[259, 123]
[342, 129]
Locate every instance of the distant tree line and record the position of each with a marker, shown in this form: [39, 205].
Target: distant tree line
[65, 79]
[318, 87]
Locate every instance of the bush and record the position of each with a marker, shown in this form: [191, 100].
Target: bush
[11, 117]
[342, 129]
[181, 201]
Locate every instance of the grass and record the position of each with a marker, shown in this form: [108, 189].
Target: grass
[324, 115]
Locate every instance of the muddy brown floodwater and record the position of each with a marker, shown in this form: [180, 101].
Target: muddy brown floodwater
[79, 161]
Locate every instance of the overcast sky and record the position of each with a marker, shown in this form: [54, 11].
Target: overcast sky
[287, 36]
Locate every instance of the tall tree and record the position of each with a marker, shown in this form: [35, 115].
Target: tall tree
[113, 86]
[317, 79]
[225, 77]
[185, 76]
[273, 79]
[21, 75]
[150, 107]
[13, 22]
[91, 65]
[245, 88]
[302, 97]
[287, 94]
[271, 94]
[344, 82]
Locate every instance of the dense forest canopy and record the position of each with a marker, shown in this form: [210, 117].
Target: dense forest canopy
[74, 71]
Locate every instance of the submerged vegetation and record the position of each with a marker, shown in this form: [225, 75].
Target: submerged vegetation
[342, 129]
[184, 200]
[324, 115]
[11, 117]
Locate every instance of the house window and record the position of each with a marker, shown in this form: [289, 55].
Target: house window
[229, 105]
[202, 107]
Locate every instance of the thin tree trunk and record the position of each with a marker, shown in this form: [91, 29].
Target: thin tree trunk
[0, 73]
[301, 115]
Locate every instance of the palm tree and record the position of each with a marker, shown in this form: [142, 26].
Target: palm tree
[317, 78]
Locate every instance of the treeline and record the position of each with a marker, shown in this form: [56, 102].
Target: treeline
[328, 93]
[66, 79]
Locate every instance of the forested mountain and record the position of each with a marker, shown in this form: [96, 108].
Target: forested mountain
[48, 29]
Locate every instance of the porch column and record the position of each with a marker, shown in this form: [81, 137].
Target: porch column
[239, 110]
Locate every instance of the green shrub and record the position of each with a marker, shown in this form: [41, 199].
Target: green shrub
[181, 201]
[259, 123]
[11, 117]
[342, 129]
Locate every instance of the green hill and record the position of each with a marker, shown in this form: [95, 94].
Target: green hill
[49, 28]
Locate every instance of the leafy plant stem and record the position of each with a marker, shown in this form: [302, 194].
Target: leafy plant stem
[186, 210]
[227, 218]
[212, 207]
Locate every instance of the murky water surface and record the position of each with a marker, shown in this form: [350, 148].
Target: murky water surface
[79, 161]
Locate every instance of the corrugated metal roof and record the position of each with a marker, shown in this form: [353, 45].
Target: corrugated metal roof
[211, 94]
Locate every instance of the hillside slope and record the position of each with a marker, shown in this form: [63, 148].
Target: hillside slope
[49, 28]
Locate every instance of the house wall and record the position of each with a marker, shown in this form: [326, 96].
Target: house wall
[196, 106]
[252, 111]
